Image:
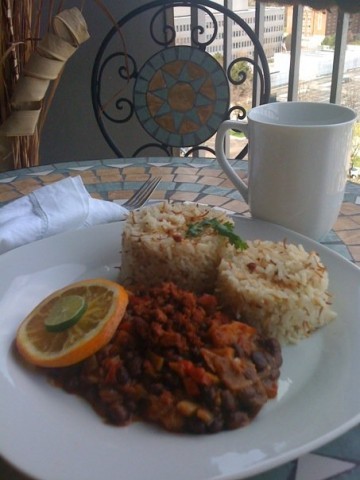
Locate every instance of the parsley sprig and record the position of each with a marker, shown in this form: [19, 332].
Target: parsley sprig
[225, 229]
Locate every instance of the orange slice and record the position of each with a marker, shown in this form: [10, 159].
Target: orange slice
[106, 302]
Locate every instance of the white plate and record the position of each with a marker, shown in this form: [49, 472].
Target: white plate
[52, 435]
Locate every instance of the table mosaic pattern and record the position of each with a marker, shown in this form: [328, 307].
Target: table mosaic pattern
[202, 180]
[181, 96]
[183, 179]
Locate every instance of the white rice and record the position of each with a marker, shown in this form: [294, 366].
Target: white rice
[155, 247]
[279, 288]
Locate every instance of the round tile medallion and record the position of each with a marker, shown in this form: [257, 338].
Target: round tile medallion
[181, 96]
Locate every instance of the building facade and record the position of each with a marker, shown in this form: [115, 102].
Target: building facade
[354, 25]
[322, 22]
[240, 42]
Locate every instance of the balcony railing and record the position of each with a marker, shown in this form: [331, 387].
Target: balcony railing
[339, 53]
[290, 91]
[299, 77]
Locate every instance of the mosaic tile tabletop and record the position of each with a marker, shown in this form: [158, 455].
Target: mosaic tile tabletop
[202, 180]
[182, 179]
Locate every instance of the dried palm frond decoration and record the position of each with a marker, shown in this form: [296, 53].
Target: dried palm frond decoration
[30, 67]
[349, 6]
[37, 37]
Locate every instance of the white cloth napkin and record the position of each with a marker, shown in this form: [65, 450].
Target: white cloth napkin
[59, 207]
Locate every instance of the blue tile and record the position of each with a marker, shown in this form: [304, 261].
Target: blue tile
[223, 192]
[341, 249]
[184, 53]
[352, 188]
[350, 197]
[331, 237]
[190, 187]
[64, 166]
[170, 55]
[128, 185]
[161, 161]
[108, 187]
[157, 61]
[353, 475]
[91, 188]
[11, 174]
[202, 161]
[40, 168]
[214, 121]
[285, 472]
[346, 447]
[197, 56]
[168, 186]
[190, 139]
[116, 161]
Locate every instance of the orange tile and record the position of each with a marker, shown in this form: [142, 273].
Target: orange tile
[345, 223]
[96, 195]
[214, 200]
[88, 179]
[206, 180]
[25, 187]
[184, 196]
[26, 183]
[141, 177]
[101, 172]
[186, 178]
[167, 177]
[52, 177]
[350, 237]
[119, 194]
[237, 206]
[227, 183]
[133, 170]
[186, 171]
[158, 195]
[9, 195]
[114, 177]
[355, 252]
[350, 209]
[125, 194]
[211, 172]
[158, 171]
[6, 187]
[356, 218]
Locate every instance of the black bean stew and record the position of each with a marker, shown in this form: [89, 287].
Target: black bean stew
[178, 361]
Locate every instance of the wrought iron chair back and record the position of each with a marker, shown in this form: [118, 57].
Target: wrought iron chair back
[177, 98]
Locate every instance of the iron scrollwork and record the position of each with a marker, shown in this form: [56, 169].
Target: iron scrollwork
[169, 31]
[119, 107]
[126, 70]
[242, 74]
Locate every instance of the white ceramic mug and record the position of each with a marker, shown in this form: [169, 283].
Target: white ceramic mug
[299, 155]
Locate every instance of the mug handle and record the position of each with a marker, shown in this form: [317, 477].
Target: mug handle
[220, 154]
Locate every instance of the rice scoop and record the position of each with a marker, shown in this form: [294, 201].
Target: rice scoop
[156, 246]
[279, 288]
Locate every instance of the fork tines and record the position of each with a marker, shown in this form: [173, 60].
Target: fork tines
[143, 194]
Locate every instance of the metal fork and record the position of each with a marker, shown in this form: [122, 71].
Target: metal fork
[142, 195]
